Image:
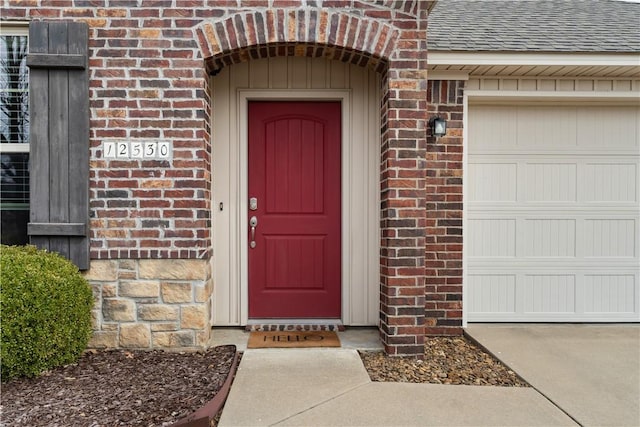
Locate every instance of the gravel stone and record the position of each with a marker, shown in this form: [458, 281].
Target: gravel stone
[447, 361]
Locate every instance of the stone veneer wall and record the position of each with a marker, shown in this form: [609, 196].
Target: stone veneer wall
[150, 303]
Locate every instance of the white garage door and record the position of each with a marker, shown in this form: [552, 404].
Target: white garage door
[553, 209]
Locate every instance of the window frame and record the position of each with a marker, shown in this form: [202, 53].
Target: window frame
[15, 28]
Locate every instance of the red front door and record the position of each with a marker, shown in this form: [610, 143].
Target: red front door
[294, 181]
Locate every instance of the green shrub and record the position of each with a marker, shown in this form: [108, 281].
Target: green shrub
[45, 309]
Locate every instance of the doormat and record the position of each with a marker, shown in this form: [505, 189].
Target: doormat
[293, 339]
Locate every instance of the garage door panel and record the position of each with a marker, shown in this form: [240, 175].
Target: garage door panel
[493, 182]
[552, 230]
[582, 178]
[604, 239]
[610, 238]
[563, 295]
[550, 182]
[617, 128]
[543, 128]
[559, 318]
[549, 237]
[610, 182]
[549, 293]
[610, 293]
[493, 293]
[490, 238]
[607, 130]
[501, 135]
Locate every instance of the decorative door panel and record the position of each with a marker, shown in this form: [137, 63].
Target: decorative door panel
[294, 210]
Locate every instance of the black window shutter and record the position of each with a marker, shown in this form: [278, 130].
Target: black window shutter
[59, 138]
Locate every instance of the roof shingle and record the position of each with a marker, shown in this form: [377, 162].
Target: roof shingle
[535, 25]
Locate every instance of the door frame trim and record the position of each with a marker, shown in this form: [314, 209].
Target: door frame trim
[243, 98]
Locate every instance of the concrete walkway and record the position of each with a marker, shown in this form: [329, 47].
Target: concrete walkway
[330, 387]
[592, 372]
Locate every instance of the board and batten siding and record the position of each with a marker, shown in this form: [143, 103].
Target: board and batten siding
[301, 78]
[552, 227]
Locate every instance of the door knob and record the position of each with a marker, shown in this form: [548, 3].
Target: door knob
[253, 222]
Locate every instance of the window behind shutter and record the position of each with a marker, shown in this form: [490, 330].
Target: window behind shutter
[14, 135]
[59, 136]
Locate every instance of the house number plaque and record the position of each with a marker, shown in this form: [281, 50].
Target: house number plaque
[143, 150]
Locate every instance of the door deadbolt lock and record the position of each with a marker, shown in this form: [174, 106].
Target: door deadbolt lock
[253, 203]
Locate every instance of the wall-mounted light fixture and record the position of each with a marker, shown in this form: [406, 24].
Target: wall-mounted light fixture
[438, 127]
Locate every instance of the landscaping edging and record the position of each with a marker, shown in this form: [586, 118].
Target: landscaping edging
[203, 416]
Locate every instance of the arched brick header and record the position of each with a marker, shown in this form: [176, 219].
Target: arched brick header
[302, 32]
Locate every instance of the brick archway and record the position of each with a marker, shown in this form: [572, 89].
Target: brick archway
[304, 32]
[396, 48]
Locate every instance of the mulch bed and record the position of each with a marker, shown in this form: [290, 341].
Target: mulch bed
[156, 388]
[447, 361]
[118, 388]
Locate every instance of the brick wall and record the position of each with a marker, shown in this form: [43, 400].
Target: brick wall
[403, 186]
[147, 81]
[443, 306]
[149, 63]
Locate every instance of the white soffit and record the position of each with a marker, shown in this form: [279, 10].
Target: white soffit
[534, 64]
